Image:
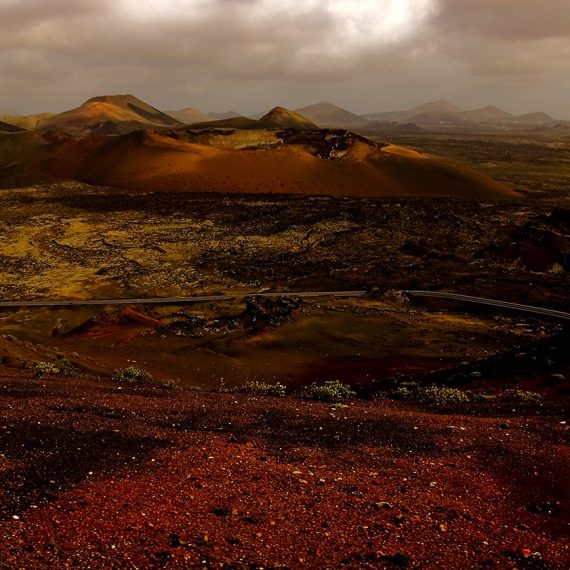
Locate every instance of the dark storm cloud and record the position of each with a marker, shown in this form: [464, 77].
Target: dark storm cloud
[506, 38]
[250, 54]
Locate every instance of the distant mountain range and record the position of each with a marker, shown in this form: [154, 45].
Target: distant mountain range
[443, 112]
[120, 114]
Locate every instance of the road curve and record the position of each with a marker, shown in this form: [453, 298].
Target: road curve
[540, 311]
[492, 303]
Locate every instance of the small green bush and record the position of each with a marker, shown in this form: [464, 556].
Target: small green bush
[407, 390]
[132, 375]
[66, 368]
[61, 367]
[404, 393]
[433, 395]
[441, 396]
[46, 368]
[263, 389]
[485, 397]
[330, 391]
[521, 396]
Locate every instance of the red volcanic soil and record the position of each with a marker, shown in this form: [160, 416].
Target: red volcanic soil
[97, 475]
[148, 162]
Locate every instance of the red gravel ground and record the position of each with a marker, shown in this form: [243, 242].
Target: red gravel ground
[96, 475]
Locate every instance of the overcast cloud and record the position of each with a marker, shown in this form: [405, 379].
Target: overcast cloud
[248, 55]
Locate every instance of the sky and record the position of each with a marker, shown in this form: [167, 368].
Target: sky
[250, 55]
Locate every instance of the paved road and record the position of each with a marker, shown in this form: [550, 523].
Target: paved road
[176, 300]
[309, 294]
[492, 303]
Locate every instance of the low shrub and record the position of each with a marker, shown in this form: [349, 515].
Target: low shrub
[433, 395]
[521, 396]
[132, 375]
[441, 396]
[263, 389]
[330, 391]
[485, 397]
[61, 367]
[404, 393]
[66, 368]
[46, 368]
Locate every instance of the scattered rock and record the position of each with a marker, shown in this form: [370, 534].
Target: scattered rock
[175, 540]
[399, 520]
[545, 508]
[400, 560]
[382, 505]
[221, 511]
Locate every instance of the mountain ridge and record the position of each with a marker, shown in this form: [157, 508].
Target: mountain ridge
[119, 114]
[442, 111]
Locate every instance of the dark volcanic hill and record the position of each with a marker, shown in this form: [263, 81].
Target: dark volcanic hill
[441, 106]
[239, 122]
[8, 128]
[490, 113]
[189, 116]
[428, 110]
[277, 118]
[536, 118]
[331, 116]
[113, 114]
[214, 116]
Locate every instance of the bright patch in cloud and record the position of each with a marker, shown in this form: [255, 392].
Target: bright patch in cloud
[360, 21]
[163, 9]
[385, 20]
